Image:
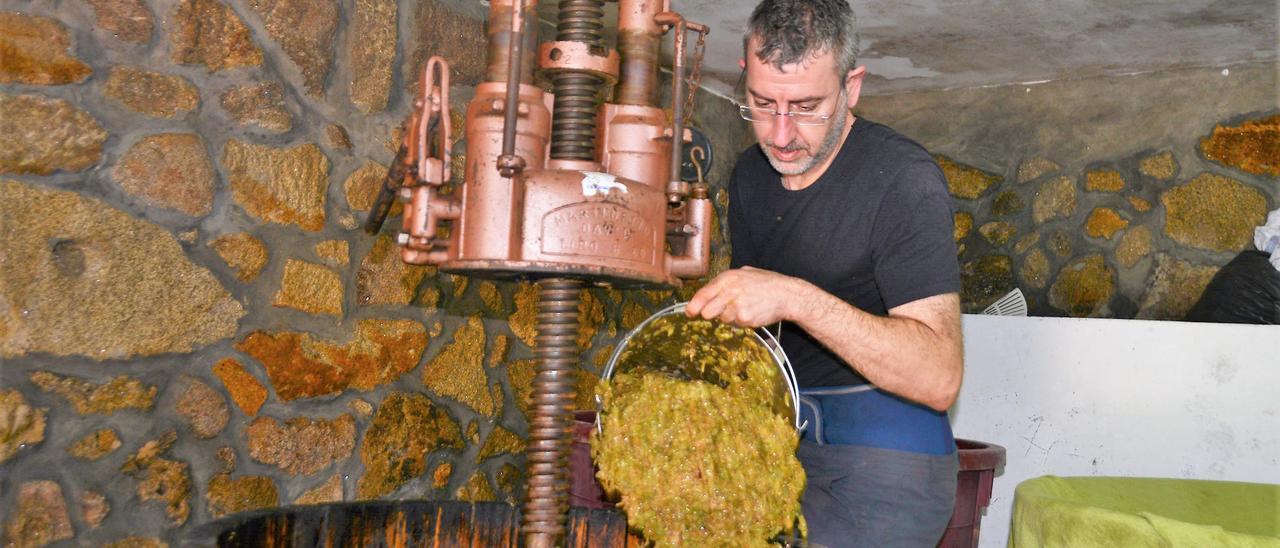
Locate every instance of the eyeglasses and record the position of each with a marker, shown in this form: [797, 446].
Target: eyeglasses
[761, 114]
[801, 118]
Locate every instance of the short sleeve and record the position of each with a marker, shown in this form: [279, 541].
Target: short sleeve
[913, 242]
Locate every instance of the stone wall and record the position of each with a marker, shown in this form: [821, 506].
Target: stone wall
[192, 322]
[1117, 198]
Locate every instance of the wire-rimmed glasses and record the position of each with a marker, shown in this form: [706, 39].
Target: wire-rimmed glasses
[762, 114]
[801, 118]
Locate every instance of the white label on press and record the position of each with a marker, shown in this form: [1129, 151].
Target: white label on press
[594, 182]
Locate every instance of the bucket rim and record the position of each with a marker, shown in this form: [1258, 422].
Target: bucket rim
[770, 342]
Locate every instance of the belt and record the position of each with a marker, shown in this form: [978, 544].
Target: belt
[867, 416]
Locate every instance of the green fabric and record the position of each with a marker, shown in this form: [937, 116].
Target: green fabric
[1138, 512]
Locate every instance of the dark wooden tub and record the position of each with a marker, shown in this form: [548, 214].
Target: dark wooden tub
[407, 523]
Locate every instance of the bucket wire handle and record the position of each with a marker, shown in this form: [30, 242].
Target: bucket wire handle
[769, 340]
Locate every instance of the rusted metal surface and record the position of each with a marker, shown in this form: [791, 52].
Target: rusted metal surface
[428, 141]
[557, 206]
[638, 71]
[676, 190]
[556, 57]
[547, 452]
[430, 138]
[395, 179]
[639, 43]
[573, 126]
[501, 38]
[635, 143]
[559, 189]
[502, 218]
[620, 278]
[407, 524]
[573, 129]
[695, 258]
[509, 163]
[488, 229]
[585, 218]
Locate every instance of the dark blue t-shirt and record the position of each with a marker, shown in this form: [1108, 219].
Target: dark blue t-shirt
[876, 230]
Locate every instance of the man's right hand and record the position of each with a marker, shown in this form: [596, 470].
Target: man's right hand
[749, 297]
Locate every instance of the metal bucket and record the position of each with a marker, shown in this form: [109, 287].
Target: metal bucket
[675, 345]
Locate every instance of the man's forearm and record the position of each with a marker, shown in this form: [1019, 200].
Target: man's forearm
[915, 352]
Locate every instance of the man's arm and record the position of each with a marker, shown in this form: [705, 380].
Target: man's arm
[914, 352]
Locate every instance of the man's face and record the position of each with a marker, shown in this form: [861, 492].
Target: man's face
[809, 86]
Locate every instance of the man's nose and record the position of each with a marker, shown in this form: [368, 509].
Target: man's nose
[784, 130]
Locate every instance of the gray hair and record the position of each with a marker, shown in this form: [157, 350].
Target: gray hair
[788, 31]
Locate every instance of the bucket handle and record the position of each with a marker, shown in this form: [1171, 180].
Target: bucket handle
[768, 339]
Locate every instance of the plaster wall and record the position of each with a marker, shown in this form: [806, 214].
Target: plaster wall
[1082, 121]
[1098, 397]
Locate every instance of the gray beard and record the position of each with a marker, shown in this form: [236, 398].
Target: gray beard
[829, 142]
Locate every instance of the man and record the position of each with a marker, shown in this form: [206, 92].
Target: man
[842, 231]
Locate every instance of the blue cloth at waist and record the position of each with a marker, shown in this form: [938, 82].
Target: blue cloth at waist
[870, 417]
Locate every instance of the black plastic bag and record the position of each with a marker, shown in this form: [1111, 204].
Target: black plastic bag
[1245, 290]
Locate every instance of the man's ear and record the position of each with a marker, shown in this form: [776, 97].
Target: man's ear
[742, 63]
[853, 84]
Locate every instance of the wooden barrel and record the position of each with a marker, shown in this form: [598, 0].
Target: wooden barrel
[409, 523]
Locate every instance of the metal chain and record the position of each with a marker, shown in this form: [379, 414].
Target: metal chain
[695, 76]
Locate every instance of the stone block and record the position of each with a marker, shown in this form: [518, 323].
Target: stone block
[1213, 212]
[41, 135]
[258, 105]
[21, 425]
[279, 185]
[243, 253]
[1083, 287]
[155, 94]
[301, 366]
[458, 371]
[209, 33]
[39, 516]
[127, 20]
[966, 182]
[304, 29]
[98, 282]
[406, 428]
[372, 57]
[311, 288]
[301, 445]
[34, 51]
[1252, 147]
[169, 170]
